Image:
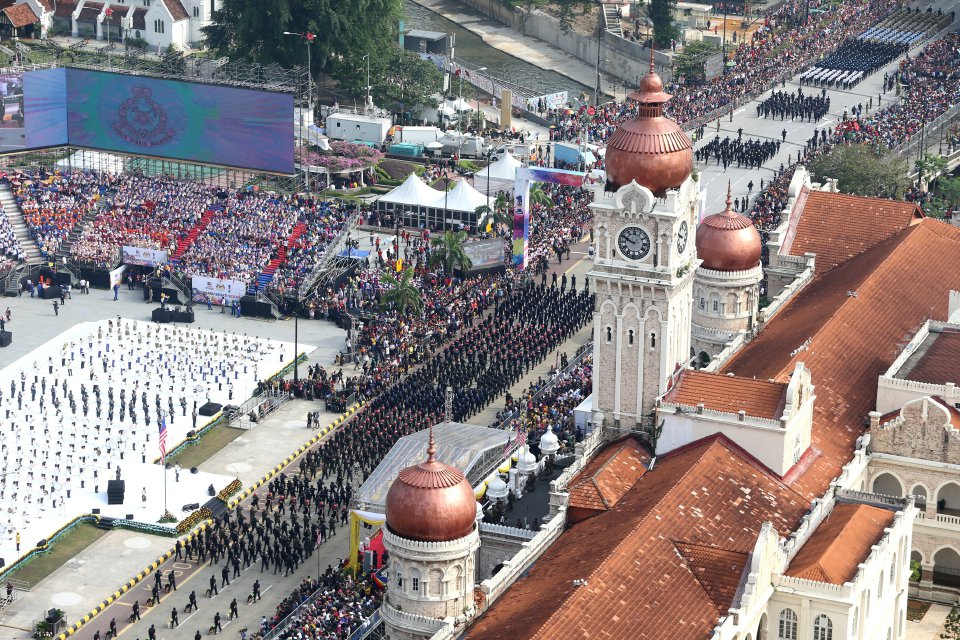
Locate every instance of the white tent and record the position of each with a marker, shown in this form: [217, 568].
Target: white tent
[465, 198]
[502, 174]
[84, 160]
[413, 193]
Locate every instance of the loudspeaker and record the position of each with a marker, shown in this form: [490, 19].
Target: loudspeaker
[42, 543]
[115, 491]
[191, 434]
[194, 470]
[96, 512]
[211, 491]
[368, 561]
[129, 516]
[2, 563]
[6, 338]
[190, 506]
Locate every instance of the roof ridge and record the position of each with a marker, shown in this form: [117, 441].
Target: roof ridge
[603, 498]
[688, 561]
[896, 240]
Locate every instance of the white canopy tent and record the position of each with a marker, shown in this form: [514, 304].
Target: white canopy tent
[501, 175]
[464, 197]
[413, 193]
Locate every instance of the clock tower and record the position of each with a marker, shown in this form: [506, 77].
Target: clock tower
[645, 260]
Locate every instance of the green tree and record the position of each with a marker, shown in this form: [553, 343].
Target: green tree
[495, 216]
[929, 166]
[407, 84]
[345, 31]
[539, 196]
[447, 252]
[402, 294]
[661, 15]
[689, 63]
[864, 171]
[949, 190]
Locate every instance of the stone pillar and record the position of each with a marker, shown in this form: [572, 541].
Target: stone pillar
[926, 581]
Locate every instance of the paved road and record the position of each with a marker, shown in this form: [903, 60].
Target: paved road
[714, 178]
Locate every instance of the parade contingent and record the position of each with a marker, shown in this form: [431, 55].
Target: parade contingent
[96, 401]
[748, 153]
[795, 106]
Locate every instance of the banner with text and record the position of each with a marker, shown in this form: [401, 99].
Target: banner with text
[485, 254]
[144, 257]
[218, 289]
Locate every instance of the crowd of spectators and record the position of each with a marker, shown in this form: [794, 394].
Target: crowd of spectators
[784, 44]
[340, 606]
[10, 250]
[151, 213]
[322, 224]
[52, 204]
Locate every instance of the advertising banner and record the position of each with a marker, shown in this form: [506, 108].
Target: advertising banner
[144, 257]
[217, 288]
[116, 276]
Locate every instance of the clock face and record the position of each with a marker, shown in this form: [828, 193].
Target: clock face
[682, 237]
[634, 243]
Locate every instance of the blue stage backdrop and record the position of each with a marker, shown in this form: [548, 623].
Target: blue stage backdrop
[172, 119]
[45, 110]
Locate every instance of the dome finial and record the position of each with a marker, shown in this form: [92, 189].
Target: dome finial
[432, 447]
[653, 45]
[729, 197]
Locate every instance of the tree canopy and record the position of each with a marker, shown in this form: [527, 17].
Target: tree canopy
[690, 62]
[345, 32]
[861, 170]
[661, 15]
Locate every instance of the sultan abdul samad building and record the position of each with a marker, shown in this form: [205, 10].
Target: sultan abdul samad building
[778, 491]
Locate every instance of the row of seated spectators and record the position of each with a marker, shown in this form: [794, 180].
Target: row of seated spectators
[146, 212]
[342, 606]
[11, 252]
[53, 204]
[323, 223]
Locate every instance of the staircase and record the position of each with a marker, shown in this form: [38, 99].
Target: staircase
[198, 228]
[19, 224]
[612, 20]
[266, 276]
[74, 235]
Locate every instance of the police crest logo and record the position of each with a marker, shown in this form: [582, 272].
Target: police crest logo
[142, 121]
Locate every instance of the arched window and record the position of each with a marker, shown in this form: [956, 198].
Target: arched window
[880, 586]
[822, 628]
[653, 340]
[630, 337]
[787, 629]
[716, 305]
[893, 568]
[609, 334]
[703, 303]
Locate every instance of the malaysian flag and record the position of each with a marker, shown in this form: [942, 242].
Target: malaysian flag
[163, 440]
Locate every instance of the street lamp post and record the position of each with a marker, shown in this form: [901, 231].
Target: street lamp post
[307, 39]
[367, 103]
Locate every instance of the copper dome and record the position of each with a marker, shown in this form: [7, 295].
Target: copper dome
[728, 241]
[651, 149]
[431, 502]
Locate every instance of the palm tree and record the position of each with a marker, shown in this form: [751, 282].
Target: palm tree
[495, 217]
[448, 252]
[402, 292]
[539, 196]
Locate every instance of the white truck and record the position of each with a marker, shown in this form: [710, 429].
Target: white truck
[417, 135]
[464, 144]
[354, 127]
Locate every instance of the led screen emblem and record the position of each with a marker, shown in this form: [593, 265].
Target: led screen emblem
[142, 121]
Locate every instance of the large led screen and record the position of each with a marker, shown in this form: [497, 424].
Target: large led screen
[34, 111]
[181, 120]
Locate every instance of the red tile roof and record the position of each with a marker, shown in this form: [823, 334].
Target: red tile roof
[719, 571]
[65, 8]
[140, 18]
[940, 363]
[21, 15]
[175, 7]
[730, 394]
[848, 341]
[607, 478]
[90, 11]
[841, 542]
[708, 495]
[838, 226]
